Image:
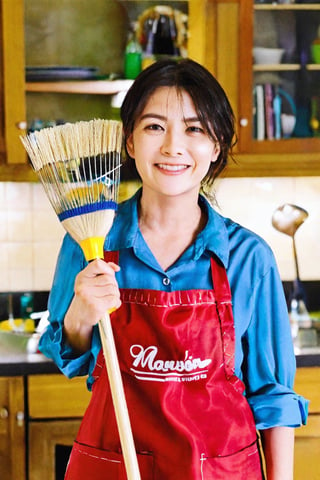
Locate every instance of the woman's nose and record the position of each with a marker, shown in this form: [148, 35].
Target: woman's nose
[172, 144]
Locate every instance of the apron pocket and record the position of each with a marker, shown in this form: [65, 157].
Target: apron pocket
[242, 465]
[89, 462]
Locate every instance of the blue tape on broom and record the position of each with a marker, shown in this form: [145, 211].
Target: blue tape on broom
[89, 208]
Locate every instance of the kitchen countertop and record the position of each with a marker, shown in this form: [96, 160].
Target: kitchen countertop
[16, 364]
[308, 357]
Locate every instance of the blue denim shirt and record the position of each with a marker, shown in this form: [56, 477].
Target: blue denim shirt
[264, 357]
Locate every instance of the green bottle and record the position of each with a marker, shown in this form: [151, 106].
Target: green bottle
[133, 56]
[26, 305]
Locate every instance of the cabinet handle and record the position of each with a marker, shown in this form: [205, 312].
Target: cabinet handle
[244, 122]
[22, 125]
[20, 419]
[4, 413]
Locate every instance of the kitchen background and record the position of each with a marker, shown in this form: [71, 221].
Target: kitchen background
[37, 34]
[30, 235]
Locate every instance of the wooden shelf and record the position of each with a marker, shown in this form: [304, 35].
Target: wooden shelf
[287, 6]
[284, 67]
[91, 87]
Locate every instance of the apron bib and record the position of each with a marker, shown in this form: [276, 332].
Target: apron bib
[189, 417]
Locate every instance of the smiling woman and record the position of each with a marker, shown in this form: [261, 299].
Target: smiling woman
[202, 332]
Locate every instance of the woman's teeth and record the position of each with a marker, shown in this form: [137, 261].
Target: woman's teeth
[172, 168]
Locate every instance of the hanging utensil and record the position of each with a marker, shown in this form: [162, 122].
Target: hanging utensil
[287, 219]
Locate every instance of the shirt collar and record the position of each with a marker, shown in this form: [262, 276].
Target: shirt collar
[213, 238]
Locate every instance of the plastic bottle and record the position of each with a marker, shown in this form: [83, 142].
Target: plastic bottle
[133, 56]
[26, 305]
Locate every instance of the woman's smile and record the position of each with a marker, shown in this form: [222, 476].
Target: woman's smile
[172, 168]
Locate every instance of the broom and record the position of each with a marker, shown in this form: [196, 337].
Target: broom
[78, 165]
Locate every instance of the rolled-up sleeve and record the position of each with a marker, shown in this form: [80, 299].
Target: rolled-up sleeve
[270, 365]
[52, 342]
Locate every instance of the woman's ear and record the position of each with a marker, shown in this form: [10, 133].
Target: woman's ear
[129, 146]
[215, 152]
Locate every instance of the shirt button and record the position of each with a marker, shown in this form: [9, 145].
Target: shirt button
[166, 281]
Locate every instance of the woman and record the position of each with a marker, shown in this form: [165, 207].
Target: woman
[201, 325]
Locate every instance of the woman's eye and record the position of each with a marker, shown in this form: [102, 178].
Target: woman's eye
[195, 129]
[154, 127]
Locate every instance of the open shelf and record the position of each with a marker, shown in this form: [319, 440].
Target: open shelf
[284, 67]
[91, 87]
[287, 6]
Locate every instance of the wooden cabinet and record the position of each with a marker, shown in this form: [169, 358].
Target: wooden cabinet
[12, 429]
[307, 438]
[39, 415]
[90, 98]
[56, 406]
[14, 89]
[221, 37]
[233, 38]
[47, 458]
[13, 161]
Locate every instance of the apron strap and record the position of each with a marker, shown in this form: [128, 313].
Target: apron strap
[111, 256]
[220, 281]
[224, 310]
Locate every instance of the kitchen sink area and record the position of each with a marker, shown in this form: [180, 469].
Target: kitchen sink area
[22, 317]
[19, 337]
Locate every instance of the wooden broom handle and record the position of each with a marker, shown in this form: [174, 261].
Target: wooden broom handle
[118, 398]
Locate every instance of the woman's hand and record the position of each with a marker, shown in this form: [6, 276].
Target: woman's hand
[95, 292]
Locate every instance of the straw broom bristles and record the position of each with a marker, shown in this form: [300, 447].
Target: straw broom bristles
[78, 165]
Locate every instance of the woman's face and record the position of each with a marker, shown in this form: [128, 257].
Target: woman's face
[172, 151]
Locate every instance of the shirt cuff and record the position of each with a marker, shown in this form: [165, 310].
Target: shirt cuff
[53, 345]
[289, 410]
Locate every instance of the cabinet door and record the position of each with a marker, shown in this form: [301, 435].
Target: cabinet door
[46, 439]
[307, 438]
[56, 406]
[12, 429]
[307, 448]
[13, 82]
[279, 82]
[56, 396]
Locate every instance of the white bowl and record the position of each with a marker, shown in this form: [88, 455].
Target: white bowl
[267, 56]
[18, 342]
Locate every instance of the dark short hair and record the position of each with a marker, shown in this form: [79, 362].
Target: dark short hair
[210, 101]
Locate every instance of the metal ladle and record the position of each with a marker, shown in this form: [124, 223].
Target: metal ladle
[287, 219]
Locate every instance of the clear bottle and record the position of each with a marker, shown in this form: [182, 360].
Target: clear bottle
[299, 320]
[133, 56]
[26, 305]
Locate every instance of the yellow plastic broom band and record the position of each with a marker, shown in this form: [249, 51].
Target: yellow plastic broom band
[92, 248]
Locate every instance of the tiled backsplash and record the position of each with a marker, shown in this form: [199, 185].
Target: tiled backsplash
[30, 237]
[252, 201]
[30, 233]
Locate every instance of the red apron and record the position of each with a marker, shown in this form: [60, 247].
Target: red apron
[189, 417]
